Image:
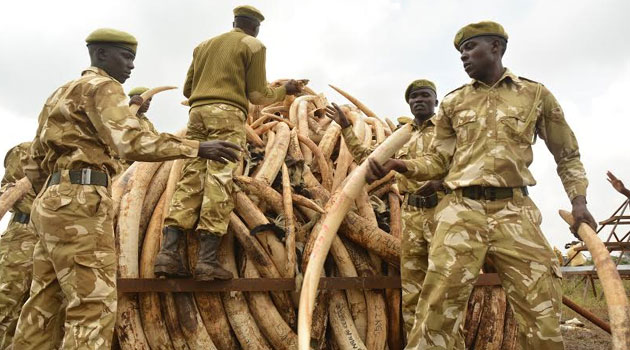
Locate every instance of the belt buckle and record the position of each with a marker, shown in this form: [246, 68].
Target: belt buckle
[86, 176]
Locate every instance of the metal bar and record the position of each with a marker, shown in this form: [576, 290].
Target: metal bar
[144, 285]
[586, 314]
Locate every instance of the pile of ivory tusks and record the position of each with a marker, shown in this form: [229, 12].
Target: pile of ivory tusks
[308, 187]
[299, 187]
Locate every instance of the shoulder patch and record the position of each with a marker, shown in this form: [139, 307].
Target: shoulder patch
[531, 81]
[9, 153]
[254, 44]
[459, 88]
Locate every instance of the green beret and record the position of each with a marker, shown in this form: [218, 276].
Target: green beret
[479, 29]
[249, 11]
[113, 37]
[404, 120]
[137, 91]
[420, 83]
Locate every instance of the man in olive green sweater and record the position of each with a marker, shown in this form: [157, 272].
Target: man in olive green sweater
[227, 71]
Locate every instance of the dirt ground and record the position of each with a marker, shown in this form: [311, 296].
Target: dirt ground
[590, 337]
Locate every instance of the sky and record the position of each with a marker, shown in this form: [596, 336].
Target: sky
[372, 49]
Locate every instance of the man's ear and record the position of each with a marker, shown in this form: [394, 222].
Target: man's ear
[496, 46]
[102, 54]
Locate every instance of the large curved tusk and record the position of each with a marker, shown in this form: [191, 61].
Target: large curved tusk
[336, 209]
[148, 94]
[616, 299]
[360, 106]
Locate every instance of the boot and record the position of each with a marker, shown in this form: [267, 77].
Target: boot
[208, 267]
[168, 262]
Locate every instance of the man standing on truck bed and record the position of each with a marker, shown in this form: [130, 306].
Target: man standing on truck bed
[227, 71]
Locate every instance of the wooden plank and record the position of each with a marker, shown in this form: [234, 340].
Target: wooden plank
[140, 285]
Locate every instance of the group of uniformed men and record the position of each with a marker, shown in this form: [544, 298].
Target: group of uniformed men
[464, 176]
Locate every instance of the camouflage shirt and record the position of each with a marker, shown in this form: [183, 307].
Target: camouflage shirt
[13, 173]
[415, 147]
[484, 136]
[86, 122]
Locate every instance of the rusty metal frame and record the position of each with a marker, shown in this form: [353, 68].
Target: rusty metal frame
[143, 285]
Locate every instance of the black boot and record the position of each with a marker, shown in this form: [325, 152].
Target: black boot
[168, 262]
[208, 268]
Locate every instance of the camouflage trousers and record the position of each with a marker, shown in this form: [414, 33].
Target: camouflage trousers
[508, 233]
[16, 266]
[203, 197]
[417, 224]
[74, 271]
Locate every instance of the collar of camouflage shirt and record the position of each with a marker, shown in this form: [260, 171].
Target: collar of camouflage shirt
[95, 70]
[507, 75]
[425, 124]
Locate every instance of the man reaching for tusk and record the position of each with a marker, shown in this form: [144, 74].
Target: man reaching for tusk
[16, 248]
[83, 125]
[618, 184]
[145, 123]
[226, 72]
[483, 144]
[420, 197]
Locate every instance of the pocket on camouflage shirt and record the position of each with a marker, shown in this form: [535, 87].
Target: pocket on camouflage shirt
[516, 126]
[466, 128]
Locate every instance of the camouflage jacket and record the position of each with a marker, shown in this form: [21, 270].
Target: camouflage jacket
[415, 147]
[86, 122]
[13, 173]
[484, 136]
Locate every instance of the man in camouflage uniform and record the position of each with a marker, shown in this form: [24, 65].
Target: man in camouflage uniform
[420, 197]
[71, 165]
[16, 249]
[145, 123]
[227, 71]
[483, 144]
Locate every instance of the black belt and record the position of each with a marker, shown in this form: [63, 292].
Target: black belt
[491, 193]
[81, 177]
[20, 217]
[418, 201]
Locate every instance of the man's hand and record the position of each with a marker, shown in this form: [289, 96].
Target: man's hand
[136, 100]
[581, 215]
[617, 184]
[294, 87]
[377, 171]
[335, 113]
[220, 151]
[430, 187]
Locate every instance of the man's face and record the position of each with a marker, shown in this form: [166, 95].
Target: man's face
[478, 55]
[422, 102]
[145, 106]
[117, 62]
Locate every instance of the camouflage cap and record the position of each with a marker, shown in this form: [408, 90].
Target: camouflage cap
[137, 91]
[479, 29]
[420, 83]
[404, 120]
[249, 11]
[113, 37]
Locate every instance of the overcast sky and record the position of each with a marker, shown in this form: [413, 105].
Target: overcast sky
[372, 49]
